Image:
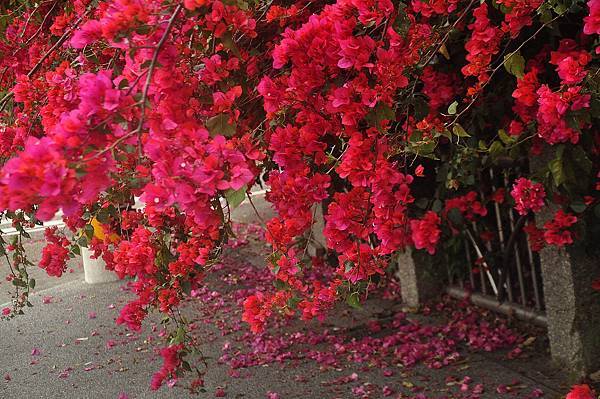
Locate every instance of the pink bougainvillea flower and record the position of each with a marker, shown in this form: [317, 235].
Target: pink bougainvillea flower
[557, 230]
[426, 232]
[528, 196]
[581, 392]
[592, 21]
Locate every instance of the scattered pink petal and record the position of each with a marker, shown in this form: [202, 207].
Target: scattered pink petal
[536, 393]
[66, 373]
[7, 377]
[47, 299]
[272, 395]
[502, 389]
[35, 352]
[478, 389]
[220, 393]
[123, 395]
[92, 315]
[387, 391]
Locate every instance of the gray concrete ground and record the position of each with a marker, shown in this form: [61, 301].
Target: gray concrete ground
[61, 350]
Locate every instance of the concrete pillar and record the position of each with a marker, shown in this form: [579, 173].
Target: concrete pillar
[572, 306]
[95, 269]
[318, 242]
[420, 278]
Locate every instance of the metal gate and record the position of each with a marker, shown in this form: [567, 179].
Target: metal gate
[522, 284]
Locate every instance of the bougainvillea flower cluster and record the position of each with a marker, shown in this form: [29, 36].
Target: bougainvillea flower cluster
[385, 117]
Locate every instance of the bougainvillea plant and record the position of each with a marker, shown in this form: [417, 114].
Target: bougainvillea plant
[384, 113]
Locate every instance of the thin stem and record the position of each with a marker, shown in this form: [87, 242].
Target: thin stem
[496, 69]
[37, 66]
[153, 62]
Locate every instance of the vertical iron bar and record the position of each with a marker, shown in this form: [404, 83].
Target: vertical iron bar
[501, 236]
[517, 253]
[481, 271]
[534, 277]
[518, 261]
[470, 262]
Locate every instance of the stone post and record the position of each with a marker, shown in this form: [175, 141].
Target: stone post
[420, 278]
[318, 242]
[572, 306]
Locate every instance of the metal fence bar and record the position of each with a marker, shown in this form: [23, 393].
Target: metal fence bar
[481, 272]
[470, 263]
[522, 279]
[518, 261]
[534, 278]
[510, 309]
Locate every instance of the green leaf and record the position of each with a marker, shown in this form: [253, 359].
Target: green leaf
[76, 250]
[143, 29]
[236, 197]
[422, 203]
[179, 336]
[279, 285]
[82, 241]
[146, 64]
[228, 43]
[103, 215]
[354, 300]
[88, 230]
[426, 148]
[452, 108]
[186, 366]
[219, 124]
[506, 139]
[514, 64]
[380, 113]
[421, 108]
[348, 266]
[459, 131]
[581, 159]
[578, 206]
[293, 302]
[437, 206]
[31, 283]
[19, 283]
[186, 286]
[496, 149]
[556, 168]
[455, 216]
